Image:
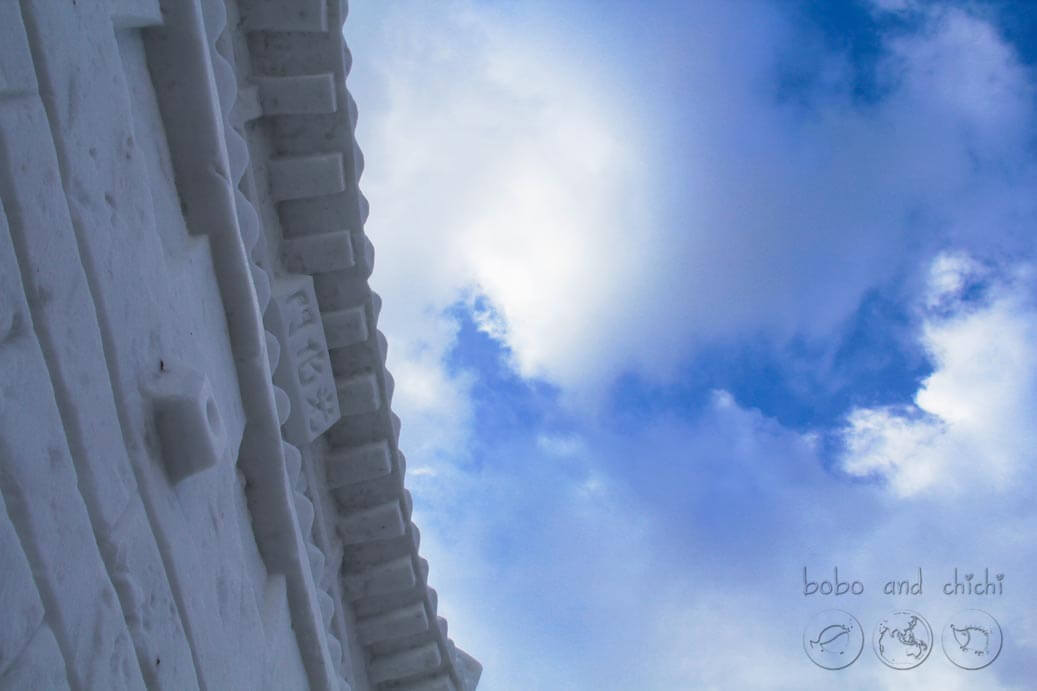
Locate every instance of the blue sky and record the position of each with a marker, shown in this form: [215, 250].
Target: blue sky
[682, 298]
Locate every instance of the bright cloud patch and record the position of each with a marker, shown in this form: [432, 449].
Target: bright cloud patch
[501, 169]
[971, 424]
[617, 229]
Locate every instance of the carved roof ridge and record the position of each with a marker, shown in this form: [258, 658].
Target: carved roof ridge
[298, 180]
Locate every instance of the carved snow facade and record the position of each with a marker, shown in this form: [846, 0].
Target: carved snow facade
[200, 484]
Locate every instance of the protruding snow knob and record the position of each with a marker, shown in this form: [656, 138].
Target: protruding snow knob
[188, 421]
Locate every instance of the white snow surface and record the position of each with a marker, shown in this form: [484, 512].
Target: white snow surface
[166, 519]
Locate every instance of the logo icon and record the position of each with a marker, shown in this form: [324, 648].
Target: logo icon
[972, 639]
[903, 640]
[833, 639]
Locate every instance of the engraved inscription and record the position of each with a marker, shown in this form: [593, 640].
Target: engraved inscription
[304, 370]
[325, 401]
[301, 312]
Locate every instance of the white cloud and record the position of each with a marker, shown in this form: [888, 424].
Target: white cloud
[561, 446]
[618, 228]
[971, 422]
[688, 576]
[617, 215]
[949, 274]
[433, 404]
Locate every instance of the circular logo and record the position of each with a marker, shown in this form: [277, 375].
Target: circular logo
[903, 640]
[972, 639]
[833, 639]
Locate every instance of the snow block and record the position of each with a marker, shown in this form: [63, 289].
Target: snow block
[285, 15]
[377, 523]
[390, 386]
[302, 177]
[247, 107]
[383, 346]
[407, 502]
[387, 577]
[468, 669]
[319, 253]
[345, 327]
[376, 305]
[362, 556]
[188, 422]
[405, 663]
[358, 394]
[364, 255]
[308, 94]
[401, 622]
[134, 14]
[350, 465]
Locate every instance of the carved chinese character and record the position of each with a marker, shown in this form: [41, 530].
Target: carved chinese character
[323, 408]
[300, 312]
[310, 369]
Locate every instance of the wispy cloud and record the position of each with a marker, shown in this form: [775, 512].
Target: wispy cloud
[971, 421]
[617, 229]
[604, 190]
